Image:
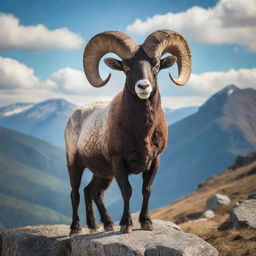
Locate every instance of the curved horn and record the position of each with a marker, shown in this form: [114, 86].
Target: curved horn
[162, 41]
[106, 42]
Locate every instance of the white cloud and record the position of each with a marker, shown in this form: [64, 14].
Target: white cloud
[67, 80]
[14, 74]
[210, 82]
[179, 102]
[16, 36]
[18, 83]
[229, 22]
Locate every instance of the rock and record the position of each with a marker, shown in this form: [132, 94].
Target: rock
[252, 171]
[252, 196]
[36, 240]
[243, 160]
[53, 241]
[244, 215]
[208, 214]
[216, 201]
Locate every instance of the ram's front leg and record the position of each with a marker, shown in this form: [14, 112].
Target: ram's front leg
[121, 175]
[148, 178]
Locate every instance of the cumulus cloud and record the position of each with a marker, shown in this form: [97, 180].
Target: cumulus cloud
[16, 36]
[14, 74]
[179, 102]
[229, 22]
[19, 83]
[68, 80]
[210, 82]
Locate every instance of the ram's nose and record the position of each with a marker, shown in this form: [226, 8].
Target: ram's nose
[143, 85]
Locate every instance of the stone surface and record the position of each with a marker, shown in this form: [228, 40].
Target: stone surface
[217, 200]
[244, 215]
[208, 214]
[36, 240]
[166, 239]
[252, 196]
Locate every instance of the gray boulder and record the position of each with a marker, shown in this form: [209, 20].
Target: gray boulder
[209, 214]
[166, 239]
[217, 200]
[243, 215]
[252, 196]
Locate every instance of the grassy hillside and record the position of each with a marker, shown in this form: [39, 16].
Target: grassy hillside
[33, 181]
[15, 213]
[33, 152]
[237, 184]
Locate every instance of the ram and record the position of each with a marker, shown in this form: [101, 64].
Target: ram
[128, 134]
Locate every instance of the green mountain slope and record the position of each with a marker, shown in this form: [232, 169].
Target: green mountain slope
[33, 181]
[15, 213]
[33, 152]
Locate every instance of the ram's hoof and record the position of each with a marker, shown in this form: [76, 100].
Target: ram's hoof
[95, 229]
[75, 229]
[109, 227]
[126, 229]
[147, 225]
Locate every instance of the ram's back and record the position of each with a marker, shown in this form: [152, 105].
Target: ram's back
[85, 131]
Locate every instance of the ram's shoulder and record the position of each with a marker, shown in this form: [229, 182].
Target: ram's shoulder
[84, 111]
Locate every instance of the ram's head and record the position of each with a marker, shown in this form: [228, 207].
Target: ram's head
[140, 63]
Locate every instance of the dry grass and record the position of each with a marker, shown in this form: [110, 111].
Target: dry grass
[234, 183]
[228, 242]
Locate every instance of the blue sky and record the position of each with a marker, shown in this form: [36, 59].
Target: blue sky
[42, 44]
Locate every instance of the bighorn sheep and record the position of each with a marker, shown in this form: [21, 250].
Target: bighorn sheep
[127, 135]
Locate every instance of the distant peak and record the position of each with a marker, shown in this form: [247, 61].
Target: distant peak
[219, 98]
[226, 91]
[230, 88]
[58, 102]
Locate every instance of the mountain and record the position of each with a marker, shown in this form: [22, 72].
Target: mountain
[173, 116]
[206, 142]
[45, 120]
[33, 184]
[14, 109]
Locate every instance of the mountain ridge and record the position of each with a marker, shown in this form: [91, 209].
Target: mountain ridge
[33, 177]
[204, 143]
[45, 120]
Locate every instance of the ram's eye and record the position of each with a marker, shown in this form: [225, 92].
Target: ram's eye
[126, 68]
[155, 69]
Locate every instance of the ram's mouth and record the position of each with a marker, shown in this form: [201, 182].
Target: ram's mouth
[143, 95]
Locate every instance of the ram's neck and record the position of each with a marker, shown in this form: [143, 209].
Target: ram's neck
[141, 116]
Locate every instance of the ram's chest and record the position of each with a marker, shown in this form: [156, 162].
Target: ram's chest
[138, 158]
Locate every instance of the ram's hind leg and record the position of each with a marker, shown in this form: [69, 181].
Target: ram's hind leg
[88, 197]
[75, 175]
[101, 185]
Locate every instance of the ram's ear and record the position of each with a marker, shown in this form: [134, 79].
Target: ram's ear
[114, 64]
[167, 62]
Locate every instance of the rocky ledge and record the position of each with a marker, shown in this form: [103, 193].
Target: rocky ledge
[166, 239]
